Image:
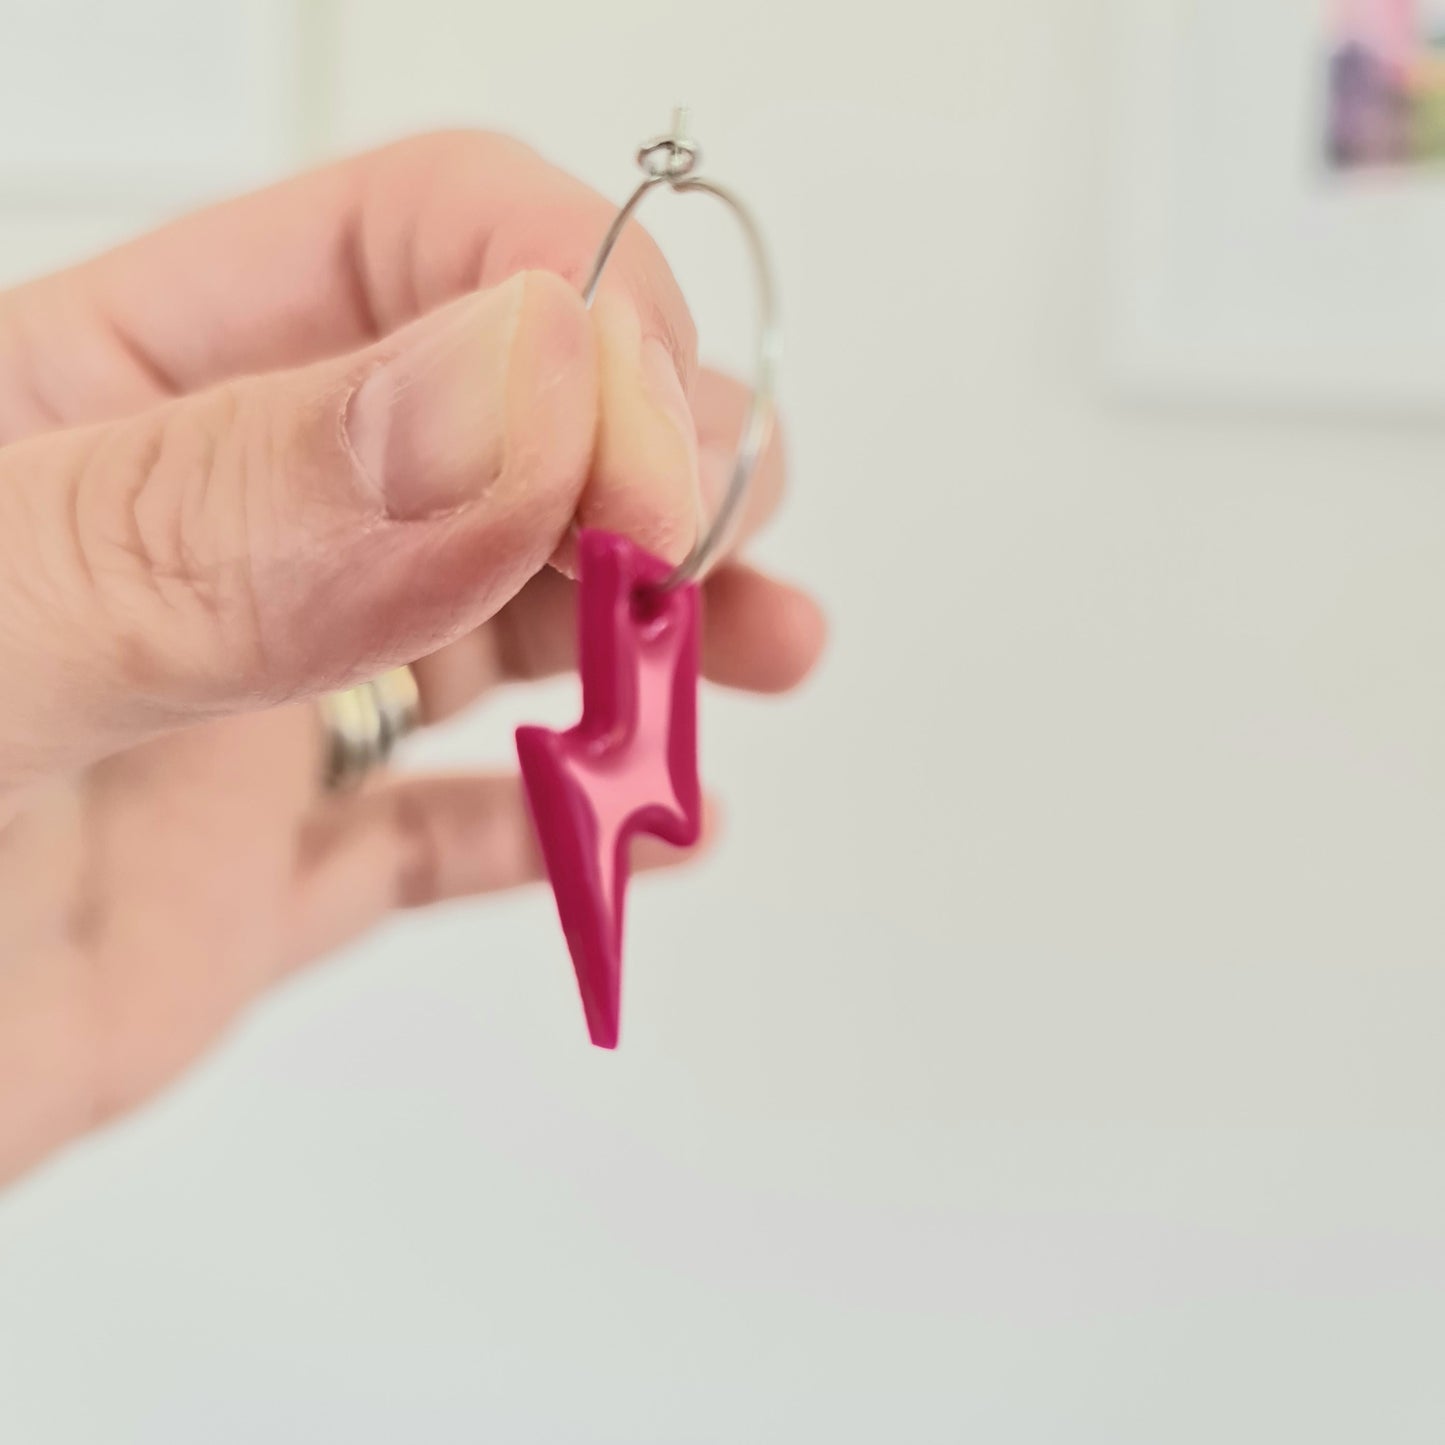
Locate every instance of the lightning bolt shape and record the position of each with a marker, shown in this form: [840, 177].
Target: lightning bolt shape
[628, 767]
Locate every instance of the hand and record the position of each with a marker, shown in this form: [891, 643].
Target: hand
[273, 450]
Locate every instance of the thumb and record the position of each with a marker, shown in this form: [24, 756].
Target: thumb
[289, 533]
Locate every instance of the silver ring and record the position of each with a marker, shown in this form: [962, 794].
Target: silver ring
[364, 724]
[669, 161]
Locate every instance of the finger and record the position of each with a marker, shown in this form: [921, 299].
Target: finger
[330, 260]
[320, 264]
[721, 404]
[662, 487]
[645, 483]
[289, 533]
[413, 842]
[758, 634]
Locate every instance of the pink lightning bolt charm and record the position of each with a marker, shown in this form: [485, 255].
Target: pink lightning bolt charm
[629, 766]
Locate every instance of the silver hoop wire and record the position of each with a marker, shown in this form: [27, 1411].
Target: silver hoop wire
[669, 161]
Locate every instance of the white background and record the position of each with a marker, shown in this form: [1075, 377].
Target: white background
[1053, 1050]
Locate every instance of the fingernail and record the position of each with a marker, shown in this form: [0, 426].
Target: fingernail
[646, 465]
[428, 427]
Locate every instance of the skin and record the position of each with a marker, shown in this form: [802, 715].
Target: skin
[269, 451]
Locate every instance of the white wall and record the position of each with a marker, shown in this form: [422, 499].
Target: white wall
[1053, 1050]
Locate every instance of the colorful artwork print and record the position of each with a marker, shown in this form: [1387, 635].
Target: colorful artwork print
[1386, 83]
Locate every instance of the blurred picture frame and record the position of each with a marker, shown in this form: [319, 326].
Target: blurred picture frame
[1386, 86]
[1261, 252]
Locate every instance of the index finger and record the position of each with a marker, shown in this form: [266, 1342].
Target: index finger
[323, 263]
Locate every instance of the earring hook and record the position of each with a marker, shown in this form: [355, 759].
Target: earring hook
[670, 160]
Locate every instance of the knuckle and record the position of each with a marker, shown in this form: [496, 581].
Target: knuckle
[159, 526]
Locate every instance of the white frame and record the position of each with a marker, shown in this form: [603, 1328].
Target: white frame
[1242, 270]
